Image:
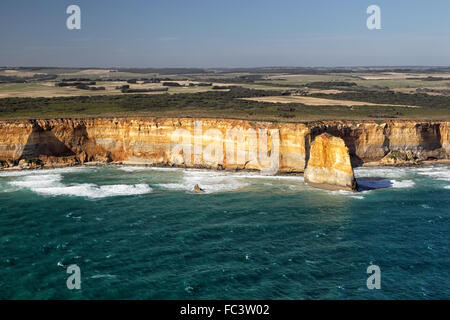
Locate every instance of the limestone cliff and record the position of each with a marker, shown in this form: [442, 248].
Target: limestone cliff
[329, 165]
[208, 143]
[213, 143]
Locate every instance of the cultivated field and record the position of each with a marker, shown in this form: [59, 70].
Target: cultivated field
[312, 101]
[277, 94]
[48, 89]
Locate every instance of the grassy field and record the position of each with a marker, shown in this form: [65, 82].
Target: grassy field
[359, 79]
[48, 89]
[312, 101]
[329, 95]
[226, 104]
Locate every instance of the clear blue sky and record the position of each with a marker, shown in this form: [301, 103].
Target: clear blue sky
[225, 33]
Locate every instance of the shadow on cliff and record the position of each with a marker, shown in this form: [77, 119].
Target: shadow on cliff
[431, 141]
[43, 142]
[349, 140]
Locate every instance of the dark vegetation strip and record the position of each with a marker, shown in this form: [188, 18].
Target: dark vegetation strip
[391, 97]
[127, 103]
[225, 104]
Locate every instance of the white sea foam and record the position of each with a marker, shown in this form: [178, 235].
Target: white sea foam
[438, 173]
[94, 191]
[402, 184]
[164, 169]
[144, 168]
[131, 168]
[8, 190]
[210, 181]
[22, 173]
[208, 186]
[259, 176]
[447, 187]
[14, 173]
[349, 194]
[383, 172]
[51, 185]
[357, 197]
[222, 181]
[342, 192]
[37, 181]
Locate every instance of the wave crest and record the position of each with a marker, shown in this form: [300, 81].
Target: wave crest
[51, 185]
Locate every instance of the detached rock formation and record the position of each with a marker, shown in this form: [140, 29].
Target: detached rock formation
[329, 165]
[197, 189]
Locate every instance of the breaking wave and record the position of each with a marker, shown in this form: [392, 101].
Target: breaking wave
[438, 173]
[221, 181]
[23, 173]
[145, 168]
[51, 185]
[210, 181]
[402, 184]
[384, 172]
[349, 194]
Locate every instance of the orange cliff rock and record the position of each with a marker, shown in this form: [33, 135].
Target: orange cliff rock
[184, 142]
[329, 165]
[212, 143]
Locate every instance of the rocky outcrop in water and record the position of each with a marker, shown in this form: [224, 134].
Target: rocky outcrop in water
[197, 189]
[329, 165]
[400, 158]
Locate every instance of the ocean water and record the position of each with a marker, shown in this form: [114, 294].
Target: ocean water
[141, 233]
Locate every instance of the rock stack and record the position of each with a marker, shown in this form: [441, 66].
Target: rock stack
[329, 165]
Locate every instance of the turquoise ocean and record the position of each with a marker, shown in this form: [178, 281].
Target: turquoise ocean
[141, 233]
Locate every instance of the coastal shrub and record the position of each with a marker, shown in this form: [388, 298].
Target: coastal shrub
[330, 84]
[171, 84]
[398, 155]
[223, 103]
[391, 97]
[34, 161]
[75, 84]
[442, 153]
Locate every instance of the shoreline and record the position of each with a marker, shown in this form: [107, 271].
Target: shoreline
[423, 162]
[149, 165]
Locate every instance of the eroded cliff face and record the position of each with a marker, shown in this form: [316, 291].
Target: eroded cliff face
[215, 143]
[208, 143]
[329, 165]
[373, 141]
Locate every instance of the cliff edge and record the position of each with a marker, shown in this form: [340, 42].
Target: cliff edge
[215, 143]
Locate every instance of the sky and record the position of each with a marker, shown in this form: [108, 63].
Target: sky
[225, 33]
